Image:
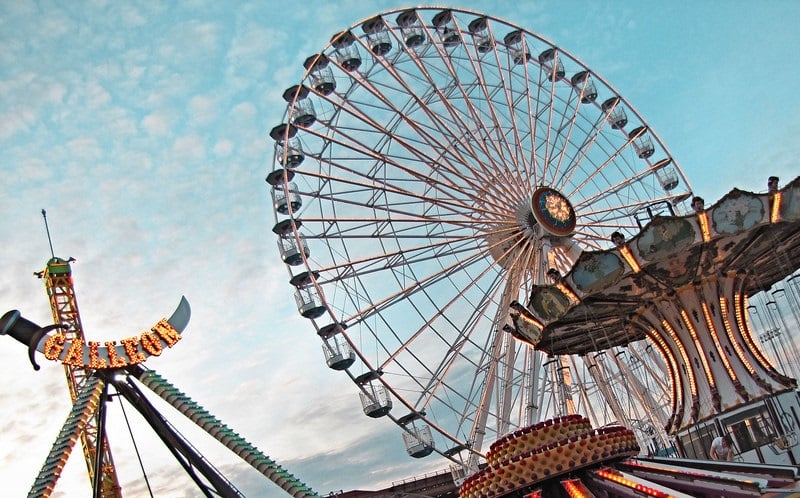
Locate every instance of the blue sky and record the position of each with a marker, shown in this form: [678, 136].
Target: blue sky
[142, 128]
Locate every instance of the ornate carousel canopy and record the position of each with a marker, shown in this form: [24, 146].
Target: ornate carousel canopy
[594, 306]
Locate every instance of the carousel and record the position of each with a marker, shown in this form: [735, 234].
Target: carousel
[682, 284]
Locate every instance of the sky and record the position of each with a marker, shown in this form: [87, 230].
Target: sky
[141, 127]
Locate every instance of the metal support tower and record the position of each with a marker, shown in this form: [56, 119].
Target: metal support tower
[57, 277]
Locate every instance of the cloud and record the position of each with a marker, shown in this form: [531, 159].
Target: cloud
[202, 110]
[223, 148]
[30, 96]
[158, 123]
[34, 170]
[92, 94]
[189, 148]
[85, 149]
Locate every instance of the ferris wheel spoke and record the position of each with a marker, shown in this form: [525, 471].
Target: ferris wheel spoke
[441, 312]
[589, 137]
[459, 264]
[474, 282]
[486, 133]
[612, 213]
[376, 307]
[589, 237]
[476, 181]
[353, 187]
[548, 139]
[496, 362]
[518, 97]
[446, 96]
[599, 169]
[380, 264]
[614, 190]
[440, 126]
[506, 147]
[571, 125]
[491, 83]
[494, 129]
[534, 112]
[597, 131]
[394, 260]
[491, 363]
[437, 379]
[452, 62]
[398, 163]
[375, 228]
[415, 149]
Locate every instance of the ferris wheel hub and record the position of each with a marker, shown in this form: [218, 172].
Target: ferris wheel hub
[546, 214]
[553, 211]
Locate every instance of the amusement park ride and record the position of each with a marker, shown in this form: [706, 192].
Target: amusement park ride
[490, 240]
[92, 367]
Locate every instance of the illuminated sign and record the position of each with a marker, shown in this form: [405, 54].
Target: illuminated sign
[61, 345]
[129, 351]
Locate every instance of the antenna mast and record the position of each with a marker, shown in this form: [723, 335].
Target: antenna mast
[47, 228]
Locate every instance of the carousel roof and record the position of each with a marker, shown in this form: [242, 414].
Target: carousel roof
[757, 235]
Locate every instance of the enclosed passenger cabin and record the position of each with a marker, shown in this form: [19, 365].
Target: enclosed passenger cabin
[346, 51]
[309, 304]
[481, 37]
[302, 111]
[417, 436]
[292, 251]
[641, 142]
[377, 36]
[666, 174]
[616, 113]
[550, 61]
[290, 153]
[446, 28]
[321, 75]
[517, 48]
[411, 28]
[338, 353]
[285, 197]
[288, 149]
[375, 398]
[583, 83]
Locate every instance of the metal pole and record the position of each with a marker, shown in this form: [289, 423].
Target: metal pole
[97, 485]
[47, 229]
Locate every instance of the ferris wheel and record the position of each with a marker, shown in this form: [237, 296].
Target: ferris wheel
[432, 167]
